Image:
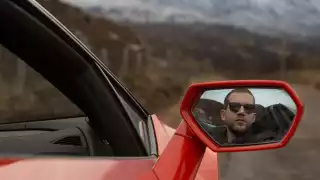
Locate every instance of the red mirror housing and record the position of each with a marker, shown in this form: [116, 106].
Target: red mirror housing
[195, 90]
[184, 153]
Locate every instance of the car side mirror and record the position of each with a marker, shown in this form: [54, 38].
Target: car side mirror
[242, 115]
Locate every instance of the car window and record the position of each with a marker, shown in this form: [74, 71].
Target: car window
[26, 96]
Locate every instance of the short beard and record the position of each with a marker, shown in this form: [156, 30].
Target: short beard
[238, 133]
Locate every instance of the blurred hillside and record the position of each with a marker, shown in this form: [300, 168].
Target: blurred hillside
[229, 49]
[157, 61]
[106, 39]
[156, 82]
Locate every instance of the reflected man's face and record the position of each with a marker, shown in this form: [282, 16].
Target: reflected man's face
[239, 113]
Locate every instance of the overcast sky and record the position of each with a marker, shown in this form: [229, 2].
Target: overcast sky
[295, 16]
[265, 97]
[283, 13]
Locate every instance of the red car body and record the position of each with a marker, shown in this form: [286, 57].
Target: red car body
[107, 168]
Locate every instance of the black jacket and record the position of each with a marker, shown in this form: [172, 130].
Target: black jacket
[219, 134]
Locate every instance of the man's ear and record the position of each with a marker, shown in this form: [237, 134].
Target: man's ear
[223, 114]
[254, 115]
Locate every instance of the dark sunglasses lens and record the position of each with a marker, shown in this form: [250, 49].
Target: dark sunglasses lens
[234, 107]
[249, 108]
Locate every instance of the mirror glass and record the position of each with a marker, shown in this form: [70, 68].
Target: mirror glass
[245, 116]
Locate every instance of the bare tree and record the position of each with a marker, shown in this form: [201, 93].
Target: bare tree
[136, 48]
[283, 51]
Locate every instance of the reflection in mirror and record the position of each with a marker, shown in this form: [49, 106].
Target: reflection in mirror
[245, 116]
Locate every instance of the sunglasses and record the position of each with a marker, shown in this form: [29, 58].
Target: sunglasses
[235, 107]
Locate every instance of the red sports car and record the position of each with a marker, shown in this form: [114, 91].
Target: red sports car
[91, 127]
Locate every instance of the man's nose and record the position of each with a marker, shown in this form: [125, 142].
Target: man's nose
[241, 110]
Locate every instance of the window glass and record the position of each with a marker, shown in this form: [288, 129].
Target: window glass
[26, 96]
